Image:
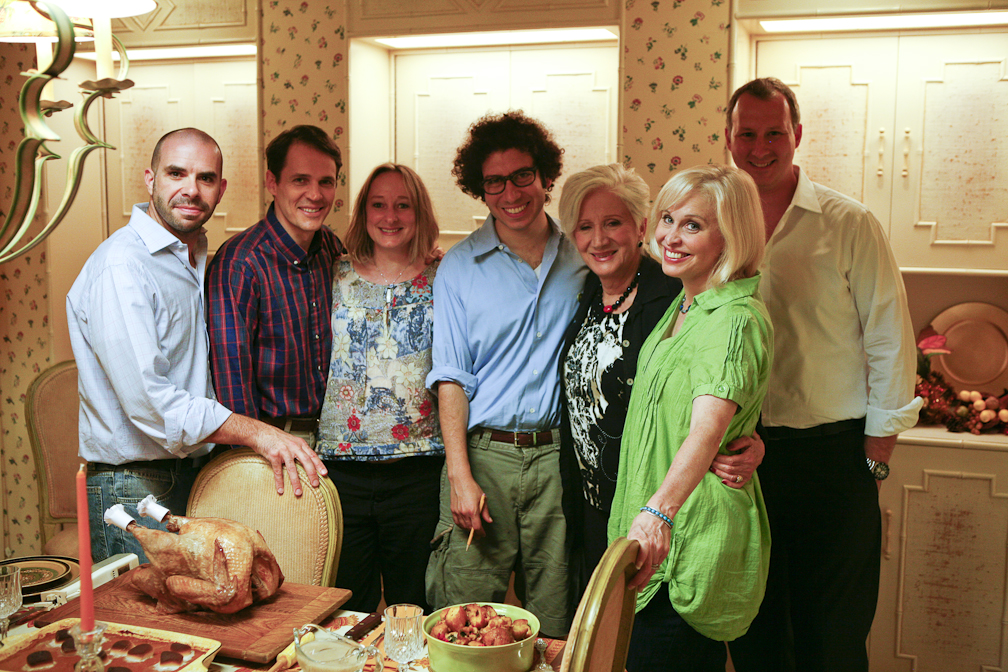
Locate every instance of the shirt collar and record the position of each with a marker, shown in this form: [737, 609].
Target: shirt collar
[485, 238]
[716, 297]
[157, 237]
[805, 195]
[286, 242]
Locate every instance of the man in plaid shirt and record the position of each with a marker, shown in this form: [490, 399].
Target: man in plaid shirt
[269, 291]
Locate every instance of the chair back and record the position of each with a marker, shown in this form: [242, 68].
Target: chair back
[600, 634]
[304, 533]
[52, 409]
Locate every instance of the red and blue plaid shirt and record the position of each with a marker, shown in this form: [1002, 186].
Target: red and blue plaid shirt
[270, 337]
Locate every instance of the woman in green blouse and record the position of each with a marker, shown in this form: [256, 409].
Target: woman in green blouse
[701, 378]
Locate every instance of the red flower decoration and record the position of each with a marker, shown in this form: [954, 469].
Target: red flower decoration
[344, 447]
[400, 432]
[353, 422]
[420, 282]
[425, 408]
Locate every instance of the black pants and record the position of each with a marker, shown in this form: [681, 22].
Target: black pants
[824, 560]
[390, 512]
[662, 641]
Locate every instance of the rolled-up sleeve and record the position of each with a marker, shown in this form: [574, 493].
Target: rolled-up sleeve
[451, 357]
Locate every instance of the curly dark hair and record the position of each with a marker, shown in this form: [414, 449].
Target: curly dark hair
[498, 133]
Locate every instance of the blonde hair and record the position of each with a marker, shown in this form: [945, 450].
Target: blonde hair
[359, 244]
[625, 183]
[733, 196]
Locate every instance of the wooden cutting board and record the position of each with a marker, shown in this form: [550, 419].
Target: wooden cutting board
[255, 634]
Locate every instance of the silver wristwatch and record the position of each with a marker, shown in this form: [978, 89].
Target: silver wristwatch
[880, 470]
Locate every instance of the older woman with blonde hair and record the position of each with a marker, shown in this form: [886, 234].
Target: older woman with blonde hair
[701, 378]
[604, 211]
[379, 435]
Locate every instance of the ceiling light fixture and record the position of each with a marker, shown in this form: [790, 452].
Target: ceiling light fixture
[884, 22]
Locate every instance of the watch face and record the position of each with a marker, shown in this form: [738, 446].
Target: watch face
[880, 471]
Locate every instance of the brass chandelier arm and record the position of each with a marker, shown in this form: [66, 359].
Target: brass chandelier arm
[32, 152]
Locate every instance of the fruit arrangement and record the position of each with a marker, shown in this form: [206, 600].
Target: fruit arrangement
[971, 411]
[479, 625]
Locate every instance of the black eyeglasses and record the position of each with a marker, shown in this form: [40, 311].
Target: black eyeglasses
[522, 177]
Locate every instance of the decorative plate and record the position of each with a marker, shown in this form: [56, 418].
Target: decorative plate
[40, 572]
[977, 335]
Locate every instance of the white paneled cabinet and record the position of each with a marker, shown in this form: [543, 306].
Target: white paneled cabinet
[916, 127]
[942, 598]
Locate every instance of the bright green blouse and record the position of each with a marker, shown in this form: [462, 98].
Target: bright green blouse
[717, 566]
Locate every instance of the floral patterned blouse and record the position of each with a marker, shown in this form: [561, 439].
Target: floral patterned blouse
[376, 405]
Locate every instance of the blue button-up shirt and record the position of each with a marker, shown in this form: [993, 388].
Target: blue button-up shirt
[498, 327]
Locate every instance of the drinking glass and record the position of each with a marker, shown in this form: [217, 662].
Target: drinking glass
[404, 638]
[10, 597]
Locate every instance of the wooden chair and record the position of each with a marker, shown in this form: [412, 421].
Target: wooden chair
[52, 407]
[305, 533]
[600, 634]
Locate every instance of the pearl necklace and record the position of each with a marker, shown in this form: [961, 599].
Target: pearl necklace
[623, 297]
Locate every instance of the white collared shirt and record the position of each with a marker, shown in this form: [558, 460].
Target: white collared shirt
[843, 340]
[138, 332]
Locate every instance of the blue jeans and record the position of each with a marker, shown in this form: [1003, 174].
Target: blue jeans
[168, 480]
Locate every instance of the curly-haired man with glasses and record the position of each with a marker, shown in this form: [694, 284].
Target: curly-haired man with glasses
[502, 299]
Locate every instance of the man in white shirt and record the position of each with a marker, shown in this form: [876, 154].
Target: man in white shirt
[137, 328]
[841, 390]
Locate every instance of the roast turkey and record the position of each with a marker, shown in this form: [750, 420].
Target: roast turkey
[200, 563]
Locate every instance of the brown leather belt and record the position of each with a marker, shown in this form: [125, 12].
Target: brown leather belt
[293, 423]
[521, 439]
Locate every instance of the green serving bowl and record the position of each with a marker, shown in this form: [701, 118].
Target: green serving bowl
[517, 657]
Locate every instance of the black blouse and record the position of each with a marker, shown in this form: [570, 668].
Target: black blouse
[590, 478]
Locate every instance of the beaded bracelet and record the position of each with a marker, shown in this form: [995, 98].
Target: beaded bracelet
[661, 516]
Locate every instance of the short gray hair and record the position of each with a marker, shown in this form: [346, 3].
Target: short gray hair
[625, 183]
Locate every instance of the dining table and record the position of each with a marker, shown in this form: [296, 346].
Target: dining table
[339, 622]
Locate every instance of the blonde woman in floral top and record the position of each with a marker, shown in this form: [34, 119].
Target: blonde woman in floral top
[379, 435]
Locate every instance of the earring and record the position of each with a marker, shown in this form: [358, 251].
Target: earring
[640, 243]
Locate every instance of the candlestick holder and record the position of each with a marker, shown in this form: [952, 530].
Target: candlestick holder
[89, 647]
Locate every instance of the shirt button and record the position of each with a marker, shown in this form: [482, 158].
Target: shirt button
[538, 334]
[626, 343]
[316, 337]
[531, 410]
[722, 388]
[297, 263]
[629, 381]
[535, 372]
[500, 247]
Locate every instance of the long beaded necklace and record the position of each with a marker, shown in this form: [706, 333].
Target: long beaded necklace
[623, 297]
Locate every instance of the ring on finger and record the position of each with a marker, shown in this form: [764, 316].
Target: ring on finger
[738, 479]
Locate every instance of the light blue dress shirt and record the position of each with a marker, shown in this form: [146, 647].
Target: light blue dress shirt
[137, 328]
[498, 327]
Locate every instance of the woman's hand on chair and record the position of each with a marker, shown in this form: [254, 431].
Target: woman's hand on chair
[655, 538]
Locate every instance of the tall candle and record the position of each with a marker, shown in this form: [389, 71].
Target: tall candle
[84, 548]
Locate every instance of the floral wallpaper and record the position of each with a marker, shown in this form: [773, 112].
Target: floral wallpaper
[304, 77]
[24, 330]
[675, 79]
